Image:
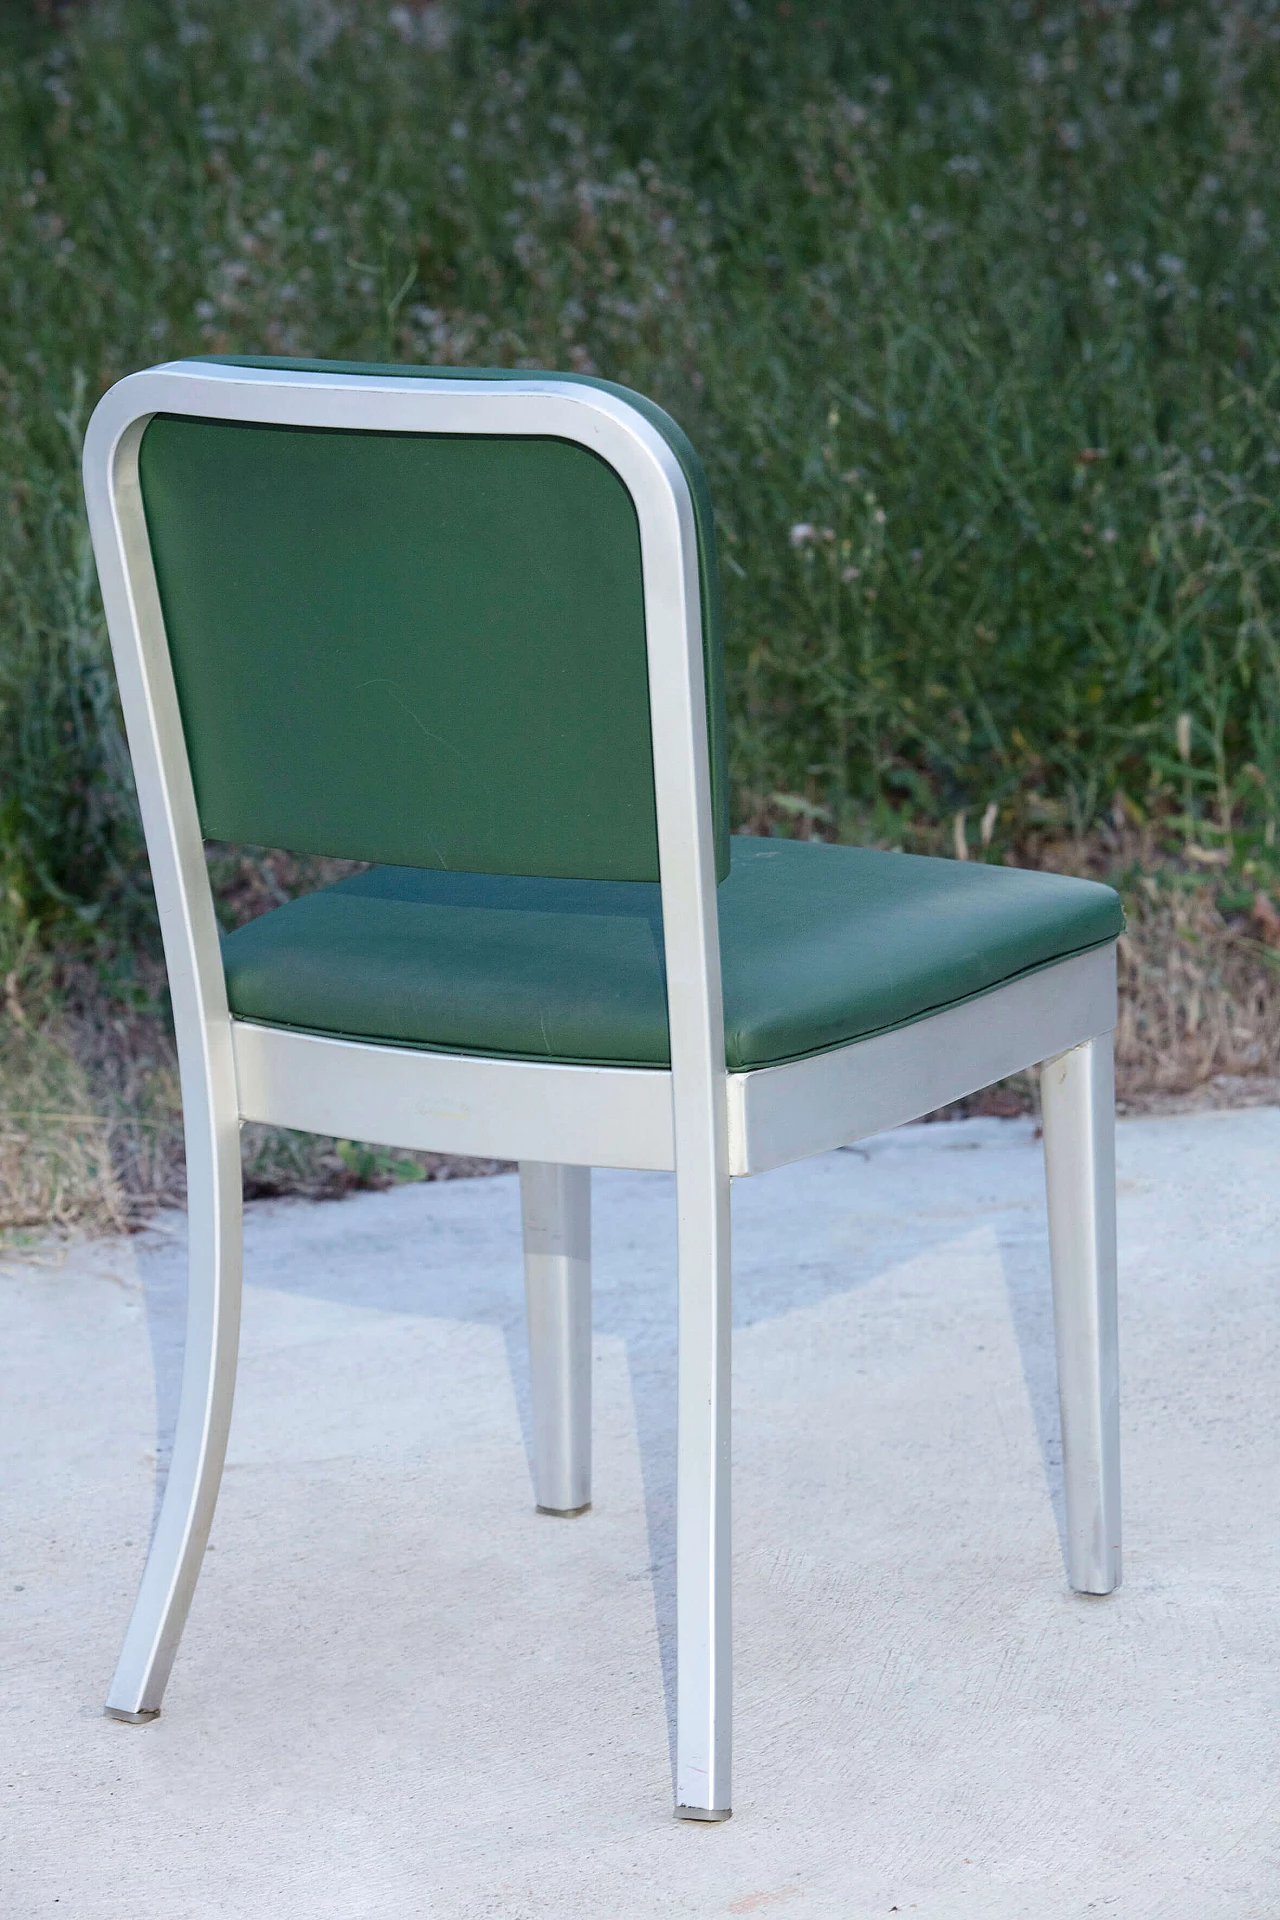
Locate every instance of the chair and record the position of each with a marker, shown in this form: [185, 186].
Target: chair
[464, 626]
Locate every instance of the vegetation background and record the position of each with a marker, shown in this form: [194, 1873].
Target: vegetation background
[970, 305]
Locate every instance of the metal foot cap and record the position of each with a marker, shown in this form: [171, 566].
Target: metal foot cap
[565, 1513]
[132, 1719]
[704, 1813]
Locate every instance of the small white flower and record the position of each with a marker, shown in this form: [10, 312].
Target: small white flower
[802, 533]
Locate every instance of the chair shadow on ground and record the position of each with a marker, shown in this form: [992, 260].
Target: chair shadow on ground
[634, 1300]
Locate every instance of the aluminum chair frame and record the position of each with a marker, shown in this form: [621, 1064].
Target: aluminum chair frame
[698, 1120]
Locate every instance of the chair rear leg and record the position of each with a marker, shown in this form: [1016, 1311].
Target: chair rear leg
[215, 1228]
[704, 1617]
[555, 1206]
[1077, 1093]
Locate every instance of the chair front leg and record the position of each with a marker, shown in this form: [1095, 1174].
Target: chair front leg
[215, 1249]
[555, 1206]
[704, 1620]
[1077, 1092]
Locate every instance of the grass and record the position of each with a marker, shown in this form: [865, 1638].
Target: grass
[971, 309]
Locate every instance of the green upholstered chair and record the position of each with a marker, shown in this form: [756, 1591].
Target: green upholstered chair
[464, 626]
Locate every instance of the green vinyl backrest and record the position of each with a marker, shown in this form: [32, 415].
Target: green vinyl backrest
[417, 649]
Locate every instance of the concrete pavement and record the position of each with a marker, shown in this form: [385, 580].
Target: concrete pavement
[402, 1693]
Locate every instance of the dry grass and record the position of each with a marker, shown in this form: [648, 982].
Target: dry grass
[56, 1162]
[1199, 1003]
[57, 1168]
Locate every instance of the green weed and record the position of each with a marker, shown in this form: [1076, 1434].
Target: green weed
[971, 310]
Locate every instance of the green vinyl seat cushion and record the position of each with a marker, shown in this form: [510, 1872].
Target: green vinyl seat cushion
[820, 945]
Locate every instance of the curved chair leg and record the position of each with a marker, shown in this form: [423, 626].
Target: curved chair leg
[555, 1206]
[704, 1619]
[1078, 1105]
[214, 1214]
